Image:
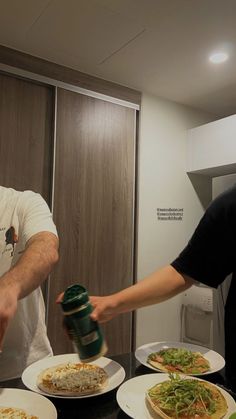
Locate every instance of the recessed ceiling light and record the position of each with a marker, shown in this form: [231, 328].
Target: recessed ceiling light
[218, 57]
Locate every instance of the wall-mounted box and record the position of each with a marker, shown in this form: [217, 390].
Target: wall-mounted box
[211, 148]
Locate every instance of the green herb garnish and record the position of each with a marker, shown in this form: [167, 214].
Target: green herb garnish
[181, 359]
[185, 397]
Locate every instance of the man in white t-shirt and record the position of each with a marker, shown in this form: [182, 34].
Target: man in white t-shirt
[28, 252]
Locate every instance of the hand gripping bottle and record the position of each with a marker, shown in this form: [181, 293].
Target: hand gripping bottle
[84, 332]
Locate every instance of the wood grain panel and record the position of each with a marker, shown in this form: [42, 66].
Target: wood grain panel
[93, 207]
[26, 135]
[37, 65]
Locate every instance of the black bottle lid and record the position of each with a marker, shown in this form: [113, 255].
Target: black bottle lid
[75, 296]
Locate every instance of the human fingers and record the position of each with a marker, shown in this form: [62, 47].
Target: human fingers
[94, 302]
[102, 311]
[60, 298]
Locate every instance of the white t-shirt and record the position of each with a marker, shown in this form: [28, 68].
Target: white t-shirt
[22, 214]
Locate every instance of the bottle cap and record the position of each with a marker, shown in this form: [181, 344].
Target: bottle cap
[75, 296]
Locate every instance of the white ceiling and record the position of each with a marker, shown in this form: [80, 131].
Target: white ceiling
[160, 47]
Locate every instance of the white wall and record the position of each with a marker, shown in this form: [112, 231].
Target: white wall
[163, 182]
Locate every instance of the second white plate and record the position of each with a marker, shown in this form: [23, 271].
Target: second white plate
[131, 396]
[216, 361]
[115, 371]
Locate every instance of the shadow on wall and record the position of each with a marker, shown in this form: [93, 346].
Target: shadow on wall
[203, 187]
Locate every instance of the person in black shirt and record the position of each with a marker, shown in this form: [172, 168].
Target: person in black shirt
[209, 257]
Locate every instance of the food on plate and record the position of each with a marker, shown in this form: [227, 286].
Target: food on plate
[186, 398]
[73, 379]
[179, 360]
[15, 413]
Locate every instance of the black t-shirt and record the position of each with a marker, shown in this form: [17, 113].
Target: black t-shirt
[210, 256]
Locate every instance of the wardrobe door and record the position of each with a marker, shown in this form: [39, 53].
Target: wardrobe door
[26, 135]
[94, 207]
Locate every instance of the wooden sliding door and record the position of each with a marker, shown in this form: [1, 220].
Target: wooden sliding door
[26, 135]
[94, 207]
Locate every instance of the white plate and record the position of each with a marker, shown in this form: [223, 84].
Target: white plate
[115, 371]
[33, 404]
[216, 361]
[131, 396]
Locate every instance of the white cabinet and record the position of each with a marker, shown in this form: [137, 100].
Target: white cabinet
[211, 148]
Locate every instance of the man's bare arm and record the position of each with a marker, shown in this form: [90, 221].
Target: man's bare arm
[33, 267]
[35, 264]
[157, 287]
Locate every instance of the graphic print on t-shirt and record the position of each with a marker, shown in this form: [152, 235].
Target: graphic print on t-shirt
[11, 238]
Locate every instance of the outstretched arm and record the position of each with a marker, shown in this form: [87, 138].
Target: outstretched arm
[33, 267]
[159, 286]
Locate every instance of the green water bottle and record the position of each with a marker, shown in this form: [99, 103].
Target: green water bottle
[85, 332]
